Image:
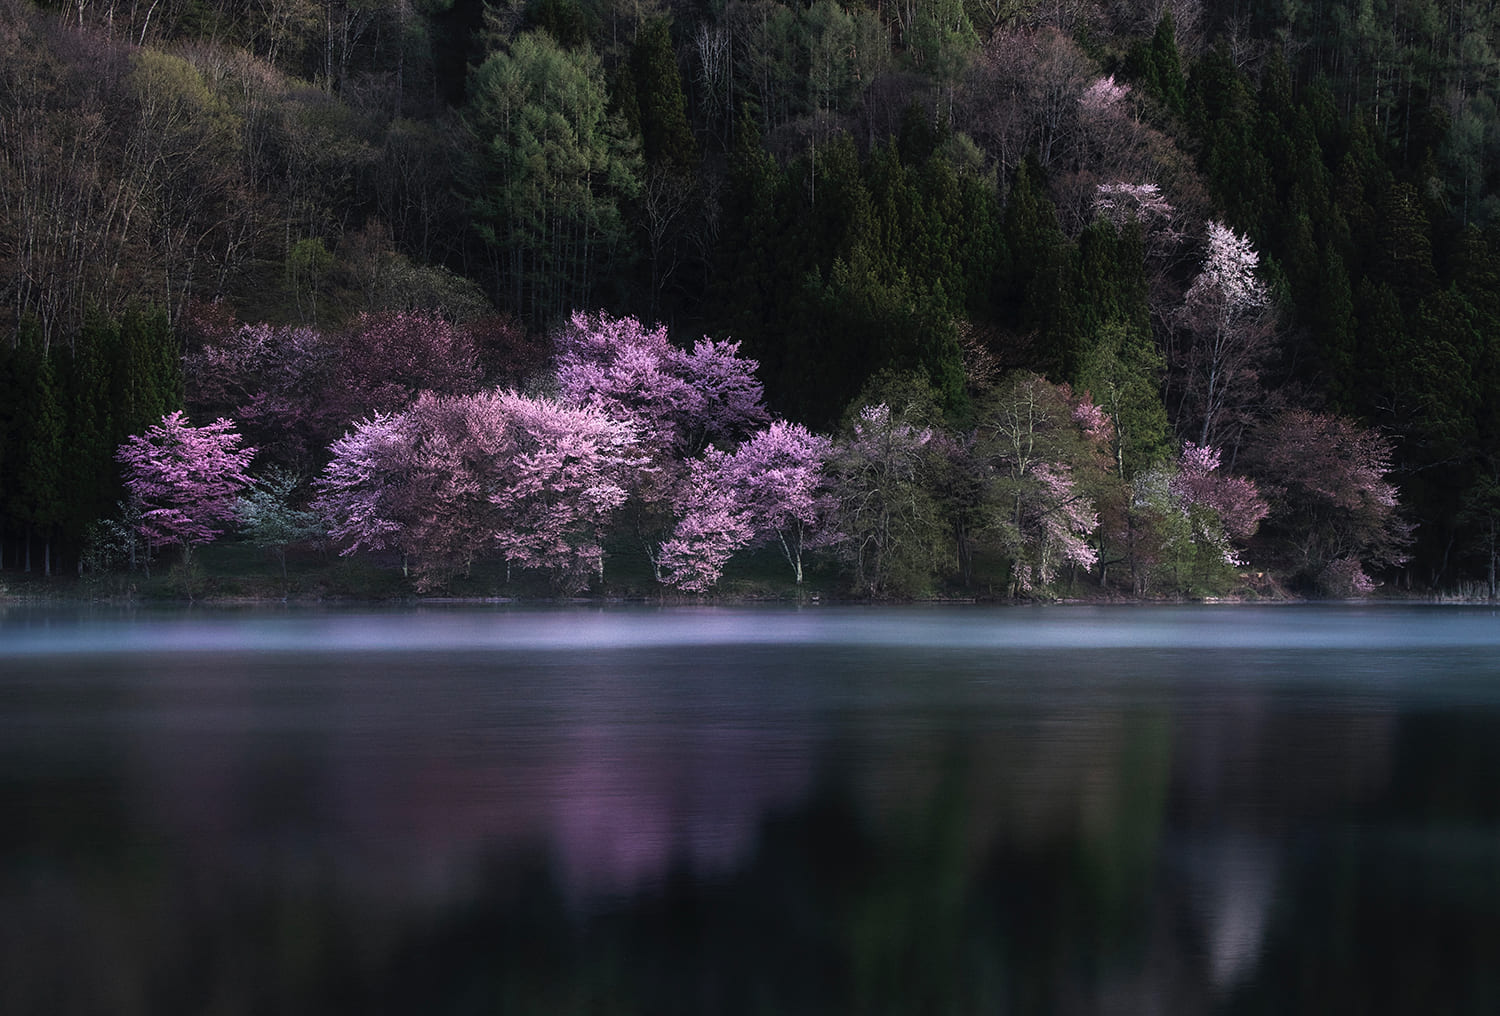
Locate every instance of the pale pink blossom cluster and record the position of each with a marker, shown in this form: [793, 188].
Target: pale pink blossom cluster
[1121, 202]
[1102, 94]
[773, 487]
[1228, 277]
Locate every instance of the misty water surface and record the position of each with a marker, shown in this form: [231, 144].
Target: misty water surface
[461, 809]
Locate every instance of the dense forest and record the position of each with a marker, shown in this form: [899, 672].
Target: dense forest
[1008, 297]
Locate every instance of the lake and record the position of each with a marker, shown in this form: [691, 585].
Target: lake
[466, 809]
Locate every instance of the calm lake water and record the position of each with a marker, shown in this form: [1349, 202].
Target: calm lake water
[760, 810]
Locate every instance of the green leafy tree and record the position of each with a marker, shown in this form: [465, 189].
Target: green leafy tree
[882, 472]
[1122, 374]
[269, 517]
[549, 170]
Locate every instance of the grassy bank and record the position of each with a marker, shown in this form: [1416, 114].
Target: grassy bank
[231, 572]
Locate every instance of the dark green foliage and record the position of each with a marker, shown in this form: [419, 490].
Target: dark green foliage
[63, 412]
[145, 371]
[842, 267]
[549, 172]
[34, 493]
[1159, 67]
[1121, 373]
[564, 20]
[1341, 186]
[87, 467]
[1038, 280]
[666, 138]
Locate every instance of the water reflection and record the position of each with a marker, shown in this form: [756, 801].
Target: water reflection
[750, 811]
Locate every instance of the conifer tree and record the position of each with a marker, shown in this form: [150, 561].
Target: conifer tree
[37, 498]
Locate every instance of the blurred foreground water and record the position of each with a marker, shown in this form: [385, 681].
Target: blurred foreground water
[751, 810]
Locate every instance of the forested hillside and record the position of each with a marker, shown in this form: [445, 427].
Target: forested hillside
[1148, 296]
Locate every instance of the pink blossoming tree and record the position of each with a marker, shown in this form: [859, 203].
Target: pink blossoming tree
[296, 388]
[715, 525]
[1190, 520]
[773, 487]
[185, 480]
[566, 479]
[679, 402]
[454, 478]
[1231, 331]
[1333, 510]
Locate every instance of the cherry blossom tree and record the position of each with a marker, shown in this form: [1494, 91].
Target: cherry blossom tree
[714, 526]
[781, 476]
[386, 359]
[453, 478]
[1142, 202]
[678, 402]
[366, 491]
[566, 479]
[773, 487]
[1227, 316]
[184, 480]
[296, 388]
[1032, 440]
[1189, 520]
[1058, 519]
[1333, 509]
[1235, 500]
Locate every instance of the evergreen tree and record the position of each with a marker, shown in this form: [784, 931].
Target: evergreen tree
[1163, 70]
[145, 370]
[1039, 277]
[666, 138]
[89, 474]
[36, 501]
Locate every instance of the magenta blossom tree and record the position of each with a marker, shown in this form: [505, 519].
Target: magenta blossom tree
[1190, 520]
[564, 481]
[714, 526]
[679, 402]
[366, 492]
[296, 388]
[454, 478]
[772, 487]
[185, 480]
[1235, 502]
[781, 477]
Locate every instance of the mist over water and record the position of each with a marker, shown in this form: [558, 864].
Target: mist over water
[1075, 809]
